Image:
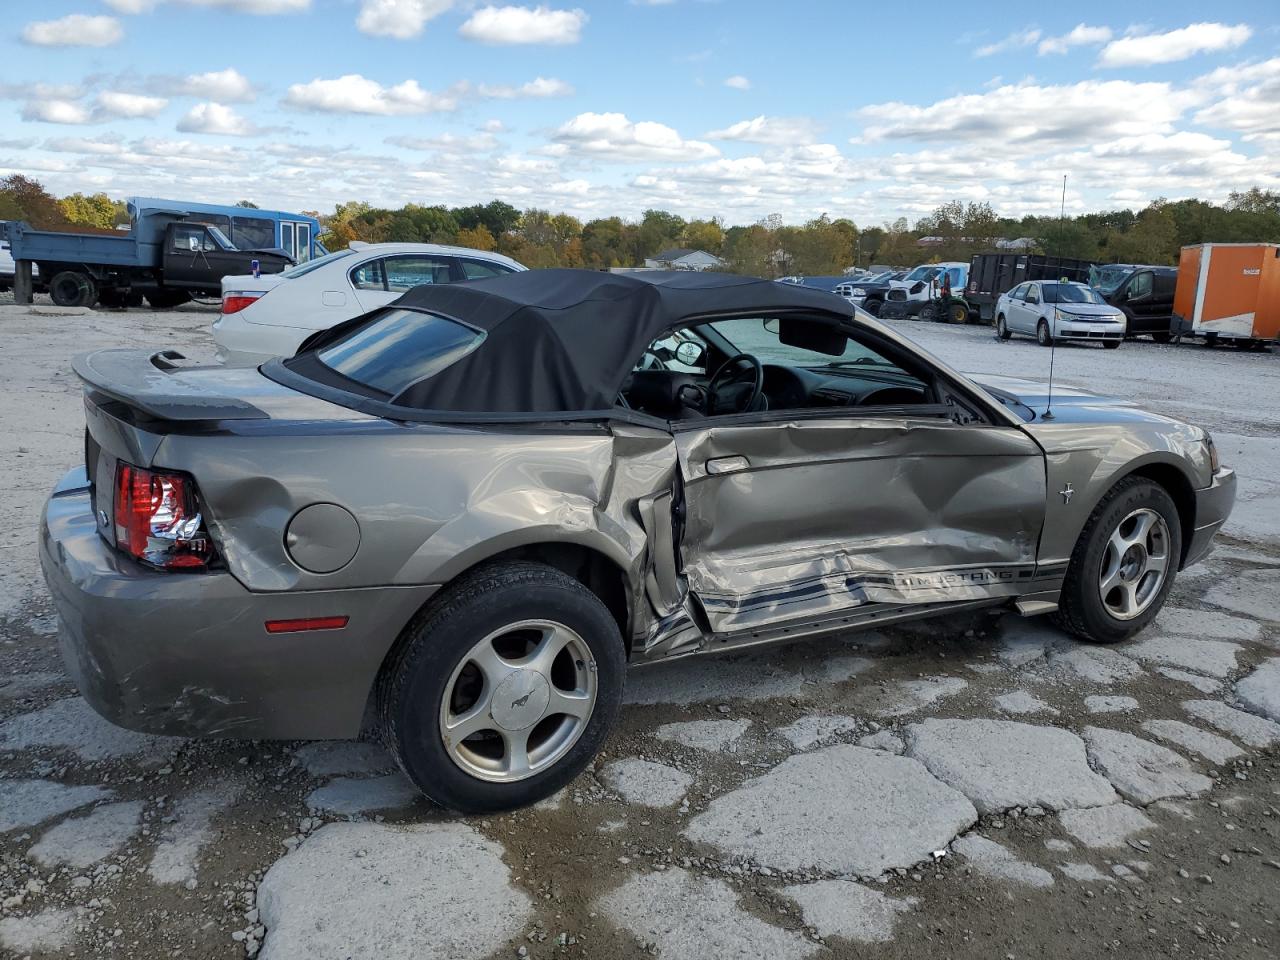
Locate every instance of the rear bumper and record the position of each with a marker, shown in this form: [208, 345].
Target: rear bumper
[188, 653]
[1213, 506]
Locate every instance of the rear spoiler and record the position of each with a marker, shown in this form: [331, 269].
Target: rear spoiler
[154, 384]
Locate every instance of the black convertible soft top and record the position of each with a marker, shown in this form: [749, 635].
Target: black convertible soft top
[565, 340]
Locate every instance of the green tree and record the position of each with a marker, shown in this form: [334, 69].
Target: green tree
[247, 204]
[93, 210]
[1153, 239]
[705, 235]
[658, 231]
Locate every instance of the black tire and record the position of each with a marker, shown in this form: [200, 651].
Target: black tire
[1002, 328]
[414, 681]
[1081, 610]
[72, 288]
[959, 313]
[872, 307]
[1161, 337]
[1042, 334]
[1112, 344]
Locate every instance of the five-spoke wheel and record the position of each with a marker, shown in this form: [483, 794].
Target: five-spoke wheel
[518, 701]
[1134, 563]
[503, 689]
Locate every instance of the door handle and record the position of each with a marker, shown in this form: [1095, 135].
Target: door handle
[727, 465]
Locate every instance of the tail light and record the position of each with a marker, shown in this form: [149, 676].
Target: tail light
[235, 302]
[157, 520]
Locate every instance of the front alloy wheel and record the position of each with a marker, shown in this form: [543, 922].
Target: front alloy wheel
[1135, 562]
[518, 701]
[1043, 336]
[1123, 565]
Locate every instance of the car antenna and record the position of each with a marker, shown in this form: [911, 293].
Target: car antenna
[1053, 341]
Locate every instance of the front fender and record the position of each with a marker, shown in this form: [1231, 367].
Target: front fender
[1083, 461]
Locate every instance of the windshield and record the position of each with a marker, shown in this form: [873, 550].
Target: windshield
[303, 269]
[399, 348]
[223, 241]
[753, 337]
[1106, 280]
[1070, 293]
[922, 273]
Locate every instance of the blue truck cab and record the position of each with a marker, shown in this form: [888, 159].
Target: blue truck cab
[173, 251]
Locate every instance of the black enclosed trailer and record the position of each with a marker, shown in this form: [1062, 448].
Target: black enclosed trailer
[991, 274]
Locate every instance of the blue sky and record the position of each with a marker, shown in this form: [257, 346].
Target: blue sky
[735, 108]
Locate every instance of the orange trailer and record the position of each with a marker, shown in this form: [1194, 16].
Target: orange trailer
[1228, 291]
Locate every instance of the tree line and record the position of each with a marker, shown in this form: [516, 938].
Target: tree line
[822, 246]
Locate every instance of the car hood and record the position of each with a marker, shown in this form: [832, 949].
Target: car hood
[1070, 404]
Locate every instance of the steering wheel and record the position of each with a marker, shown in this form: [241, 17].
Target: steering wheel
[729, 391]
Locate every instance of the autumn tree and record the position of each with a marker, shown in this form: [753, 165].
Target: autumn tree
[22, 198]
[705, 235]
[477, 238]
[93, 210]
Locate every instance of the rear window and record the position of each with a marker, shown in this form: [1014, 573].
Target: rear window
[398, 348]
[302, 269]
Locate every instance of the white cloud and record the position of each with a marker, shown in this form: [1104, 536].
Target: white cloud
[516, 25]
[132, 6]
[611, 136]
[448, 143]
[1152, 48]
[222, 86]
[777, 130]
[1033, 115]
[537, 88]
[353, 93]
[112, 103]
[1249, 95]
[1082, 35]
[98, 145]
[217, 119]
[261, 7]
[738, 82]
[1020, 38]
[401, 19]
[56, 111]
[74, 30]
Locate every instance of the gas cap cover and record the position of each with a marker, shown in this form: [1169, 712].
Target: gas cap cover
[322, 537]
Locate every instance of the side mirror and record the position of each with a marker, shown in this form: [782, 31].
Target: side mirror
[689, 353]
[773, 326]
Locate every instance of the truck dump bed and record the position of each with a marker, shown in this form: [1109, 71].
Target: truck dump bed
[108, 249]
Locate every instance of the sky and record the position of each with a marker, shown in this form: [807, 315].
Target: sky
[731, 108]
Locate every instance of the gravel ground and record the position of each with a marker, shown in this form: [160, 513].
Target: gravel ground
[970, 787]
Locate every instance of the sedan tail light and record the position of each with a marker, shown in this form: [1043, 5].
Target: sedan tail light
[235, 302]
[157, 520]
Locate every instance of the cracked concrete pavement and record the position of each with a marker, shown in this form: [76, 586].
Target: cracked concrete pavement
[971, 787]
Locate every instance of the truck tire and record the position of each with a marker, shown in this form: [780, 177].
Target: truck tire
[72, 288]
[503, 689]
[872, 307]
[1124, 563]
[1161, 337]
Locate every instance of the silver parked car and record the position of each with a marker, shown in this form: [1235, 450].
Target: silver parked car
[1059, 310]
[470, 509]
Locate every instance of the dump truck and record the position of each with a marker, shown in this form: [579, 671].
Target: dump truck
[172, 252]
[1228, 293]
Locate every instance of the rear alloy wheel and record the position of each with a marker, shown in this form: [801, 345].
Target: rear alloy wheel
[503, 689]
[71, 288]
[1124, 563]
[1043, 337]
[1002, 328]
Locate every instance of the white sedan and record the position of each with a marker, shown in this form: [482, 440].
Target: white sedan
[1058, 310]
[269, 316]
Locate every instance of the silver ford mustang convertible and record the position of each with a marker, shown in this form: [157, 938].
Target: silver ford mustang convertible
[464, 514]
